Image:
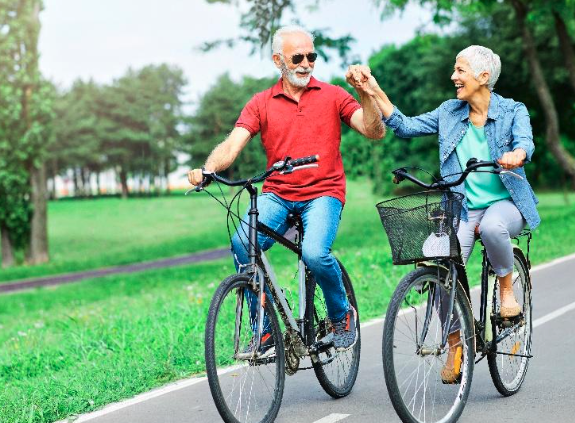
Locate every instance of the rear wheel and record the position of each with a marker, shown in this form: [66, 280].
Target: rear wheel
[336, 371]
[508, 365]
[246, 388]
[413, 357]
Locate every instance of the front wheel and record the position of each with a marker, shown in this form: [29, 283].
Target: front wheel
[508, 364]
[336, 371]
[246, 387]
[413, 354]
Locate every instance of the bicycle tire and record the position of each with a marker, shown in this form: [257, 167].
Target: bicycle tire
[335, 371]
[508, 372]
[237, 396]
[424, 405]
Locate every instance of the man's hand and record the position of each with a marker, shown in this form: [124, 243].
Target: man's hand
[359, 77]
[512, 159]
[195, 177]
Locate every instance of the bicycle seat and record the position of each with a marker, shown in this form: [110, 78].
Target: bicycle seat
[294, 219]
[295, 226]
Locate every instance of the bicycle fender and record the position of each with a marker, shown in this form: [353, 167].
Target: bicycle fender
[517, 251]
[431, 264]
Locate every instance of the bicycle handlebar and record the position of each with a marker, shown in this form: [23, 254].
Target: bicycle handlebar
[472, 165]
[286, 166]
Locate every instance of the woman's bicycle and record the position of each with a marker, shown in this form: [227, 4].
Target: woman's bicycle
[433, 300]
[247, 351]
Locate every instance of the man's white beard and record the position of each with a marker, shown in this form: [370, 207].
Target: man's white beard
[291, 76]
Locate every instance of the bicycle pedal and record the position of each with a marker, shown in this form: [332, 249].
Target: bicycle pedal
[322, 345]
[508, 322]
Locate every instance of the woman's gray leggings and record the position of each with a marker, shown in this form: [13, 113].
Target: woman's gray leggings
[498, 223]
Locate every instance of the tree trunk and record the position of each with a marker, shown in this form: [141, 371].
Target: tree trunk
[99, 183]
[7, 248]
[552, 134]
[38, 250]
[76, 180]
[87, 176]
[167, 175]
[124, 183]
[566, 47]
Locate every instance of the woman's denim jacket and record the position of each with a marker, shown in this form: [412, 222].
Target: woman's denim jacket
[506, 129]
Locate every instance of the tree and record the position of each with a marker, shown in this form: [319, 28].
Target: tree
[77, 144]
[138, 120]
[24, 134]
[163, 86]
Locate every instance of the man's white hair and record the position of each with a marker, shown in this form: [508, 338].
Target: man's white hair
[277, 41]
[482, 59]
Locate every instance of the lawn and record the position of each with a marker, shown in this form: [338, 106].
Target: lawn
[74, 348]
[88, 234]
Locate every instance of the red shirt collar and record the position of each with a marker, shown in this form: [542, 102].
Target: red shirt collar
[278, 88]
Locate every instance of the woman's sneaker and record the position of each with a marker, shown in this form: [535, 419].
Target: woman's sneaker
[345, 331]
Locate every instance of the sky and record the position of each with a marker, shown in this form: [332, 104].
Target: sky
[101, 39]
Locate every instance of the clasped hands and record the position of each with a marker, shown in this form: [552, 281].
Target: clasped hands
[359, 77]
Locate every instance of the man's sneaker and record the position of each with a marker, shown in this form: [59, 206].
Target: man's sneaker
[345, 331]
[266, 348]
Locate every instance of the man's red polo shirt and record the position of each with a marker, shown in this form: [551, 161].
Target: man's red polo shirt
[294, 129]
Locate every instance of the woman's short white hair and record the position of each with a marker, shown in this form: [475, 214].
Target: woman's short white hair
[277, 41]
[482, 59]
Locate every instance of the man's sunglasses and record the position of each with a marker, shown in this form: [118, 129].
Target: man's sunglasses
[298, 58]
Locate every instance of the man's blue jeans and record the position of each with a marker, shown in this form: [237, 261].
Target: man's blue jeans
[320, 218]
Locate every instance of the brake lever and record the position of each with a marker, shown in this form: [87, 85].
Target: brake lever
[510, 173]
[292, 169]
[397, 179]
[501, 171]
[205, 182]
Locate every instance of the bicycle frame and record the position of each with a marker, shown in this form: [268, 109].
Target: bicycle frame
[263, 271]
[457, 272]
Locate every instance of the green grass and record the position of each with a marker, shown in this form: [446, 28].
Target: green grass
[74, 348]
[88, 234]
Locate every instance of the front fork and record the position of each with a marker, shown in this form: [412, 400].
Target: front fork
[450, 282]
[453, 283]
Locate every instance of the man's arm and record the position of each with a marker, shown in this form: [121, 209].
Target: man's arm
[404, 127]
[223, 155]
[367, 120]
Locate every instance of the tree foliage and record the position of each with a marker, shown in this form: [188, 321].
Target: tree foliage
[216, 116]
[416, 76]
[132, 125]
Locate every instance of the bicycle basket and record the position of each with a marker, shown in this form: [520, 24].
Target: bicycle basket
[422, 226]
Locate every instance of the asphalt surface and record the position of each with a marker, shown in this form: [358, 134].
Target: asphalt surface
[548, 393]
[115, 270]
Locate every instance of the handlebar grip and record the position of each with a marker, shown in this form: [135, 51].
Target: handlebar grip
[303, 161]
[205, 182]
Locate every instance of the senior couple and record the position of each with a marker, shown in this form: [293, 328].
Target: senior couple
[300, 116]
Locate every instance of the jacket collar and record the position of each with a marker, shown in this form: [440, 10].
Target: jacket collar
[492, 111]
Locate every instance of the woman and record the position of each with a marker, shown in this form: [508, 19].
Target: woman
[484, 125]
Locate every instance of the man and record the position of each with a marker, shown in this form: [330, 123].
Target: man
[300, 116]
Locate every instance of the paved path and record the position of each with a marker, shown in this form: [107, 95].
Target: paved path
[547, 393]
[128, 268]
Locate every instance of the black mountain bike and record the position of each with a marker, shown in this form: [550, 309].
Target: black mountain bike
[434, 298]
[247, 350]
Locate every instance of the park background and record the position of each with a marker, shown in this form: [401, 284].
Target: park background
[115, 98]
